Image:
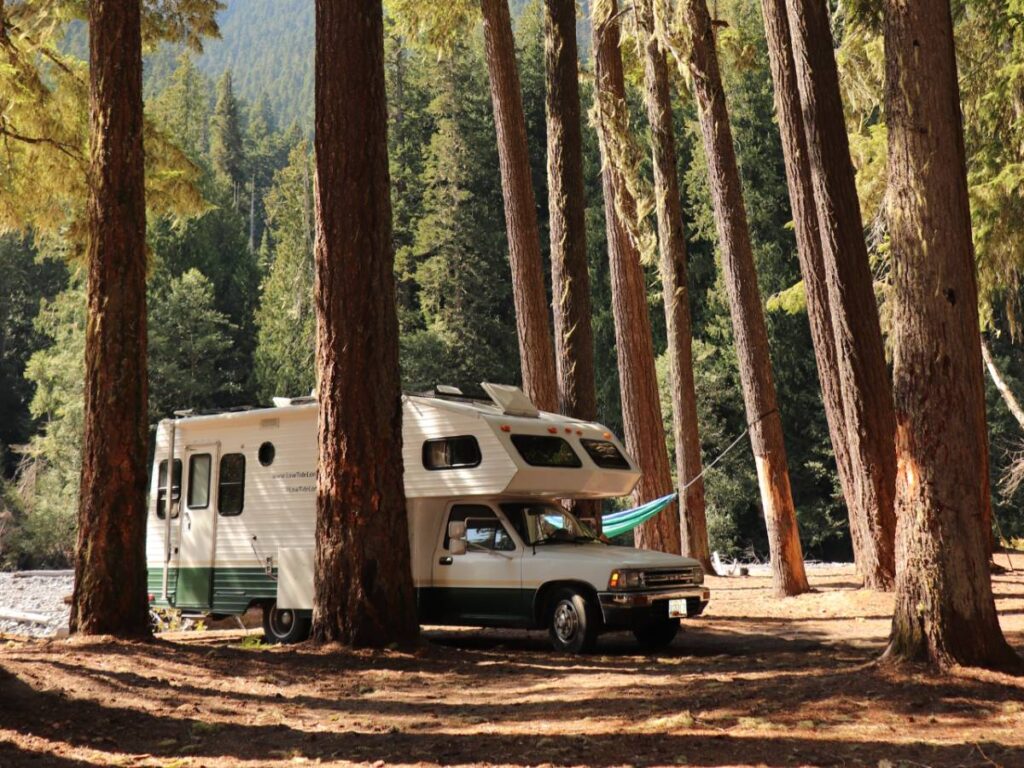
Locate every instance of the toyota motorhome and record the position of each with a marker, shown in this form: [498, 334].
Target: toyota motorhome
[491, 544]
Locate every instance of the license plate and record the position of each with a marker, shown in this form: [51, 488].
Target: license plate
[677, 609]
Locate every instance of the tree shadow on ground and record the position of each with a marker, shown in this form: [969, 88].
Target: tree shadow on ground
[76, 722]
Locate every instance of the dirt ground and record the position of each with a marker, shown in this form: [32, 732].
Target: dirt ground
[755, 682]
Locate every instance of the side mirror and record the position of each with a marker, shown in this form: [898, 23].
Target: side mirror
[457, 544]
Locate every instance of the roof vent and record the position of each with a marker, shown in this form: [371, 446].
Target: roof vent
[511, 400]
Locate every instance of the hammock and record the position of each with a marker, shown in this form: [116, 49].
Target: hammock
[619, 522]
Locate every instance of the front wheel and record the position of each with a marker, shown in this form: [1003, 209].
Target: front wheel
[572, 622]
[658, 634]
[284, 625]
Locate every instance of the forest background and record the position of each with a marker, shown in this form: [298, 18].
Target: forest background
[230, 291]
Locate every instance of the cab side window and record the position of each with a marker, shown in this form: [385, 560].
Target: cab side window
[483, 528]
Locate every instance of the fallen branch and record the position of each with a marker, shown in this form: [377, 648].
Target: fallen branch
[9, 614]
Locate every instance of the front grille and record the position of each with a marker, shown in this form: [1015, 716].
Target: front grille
[674, 577]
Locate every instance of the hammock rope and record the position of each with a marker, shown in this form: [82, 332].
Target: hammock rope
[620, 522]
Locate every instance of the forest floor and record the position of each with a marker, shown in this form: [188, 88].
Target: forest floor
[755, 682]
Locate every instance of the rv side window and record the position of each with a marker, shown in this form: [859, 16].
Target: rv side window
[161, 496]
[451, 453]
[199, 481]
[544, 451]
[231, 485]
[605, 454]
[483, 528]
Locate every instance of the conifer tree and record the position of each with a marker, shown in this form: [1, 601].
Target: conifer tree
[570, 276]
[286, 317]
[536, 350]
[745, 305]
[110, 571]
[641, 406]
[189, 342]
[465, 295]
[859, 370]
[945, 612]
[363, 593]
[675, 292]
[226, 147]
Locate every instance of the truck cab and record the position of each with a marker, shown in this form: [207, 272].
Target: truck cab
[531, 563]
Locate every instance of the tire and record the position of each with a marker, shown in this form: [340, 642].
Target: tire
[573, 622]
[284, 626]
[656, 635]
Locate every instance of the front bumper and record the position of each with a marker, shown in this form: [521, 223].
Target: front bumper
[627, 609]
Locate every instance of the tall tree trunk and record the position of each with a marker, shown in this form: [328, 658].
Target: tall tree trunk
[945, 613]
[363, 593]
[638, 381]
[672, 250]
[110, 565]
[745, 306]
[537, 356]
[869, 422]
[570, 275]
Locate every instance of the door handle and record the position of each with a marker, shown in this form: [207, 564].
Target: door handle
[446, 560]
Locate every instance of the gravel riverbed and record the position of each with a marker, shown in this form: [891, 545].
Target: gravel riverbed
[38, 593]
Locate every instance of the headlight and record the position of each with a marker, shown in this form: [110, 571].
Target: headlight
[625, 579]
[698, 575]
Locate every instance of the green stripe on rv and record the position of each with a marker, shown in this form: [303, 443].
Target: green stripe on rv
[233, 589]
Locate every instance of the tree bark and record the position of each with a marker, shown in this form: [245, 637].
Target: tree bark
[536, 352]
[570, 275]
[864, 385]
[363, 592]
[945, 612]
[638, 381]
[766, 438]
[675, 293]
[110, 566]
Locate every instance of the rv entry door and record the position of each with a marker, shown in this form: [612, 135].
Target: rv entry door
[198, 522]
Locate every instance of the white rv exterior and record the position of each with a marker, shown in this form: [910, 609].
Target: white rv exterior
[480, 479]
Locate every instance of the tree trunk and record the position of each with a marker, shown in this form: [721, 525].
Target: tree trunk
[945, 613]
[110, 564]
[672, 250]
[570, 275]
[745, 306]
[536, 353]
[363, 593]
[864, 385]
[638, 381]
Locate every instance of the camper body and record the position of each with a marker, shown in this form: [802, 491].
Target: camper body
[490, 545]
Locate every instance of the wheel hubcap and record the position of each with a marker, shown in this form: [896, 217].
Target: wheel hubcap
[567, 622]
[281, 621]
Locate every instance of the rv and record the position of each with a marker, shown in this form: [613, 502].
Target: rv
[231, 521]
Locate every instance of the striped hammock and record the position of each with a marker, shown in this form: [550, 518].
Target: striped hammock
[619, 522]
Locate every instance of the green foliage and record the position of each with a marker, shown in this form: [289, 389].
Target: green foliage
[459, 251]
[226, 150]
[189, 341]
[182, 109]
[286, 318]
[48, 481]
[27, 280]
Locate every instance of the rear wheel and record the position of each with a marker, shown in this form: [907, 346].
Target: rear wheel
[656, 634]
[284, 625]
[573, 622]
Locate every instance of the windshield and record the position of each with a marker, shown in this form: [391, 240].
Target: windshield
[540, 523]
